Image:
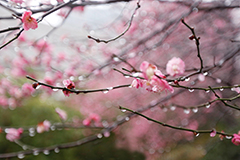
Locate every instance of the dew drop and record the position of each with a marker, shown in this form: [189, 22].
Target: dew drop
[187, 79]
[205, 73]
[197, 134]
[232, 89]
[71, 78]
[208, 105]
[127, 119]
[135, 74]
[21, 156]
[99, 135]
[127, 76]
[35, 153]
[56, 150]
[116, 59]
[105, 91]
[53, 128]
[123, 110]
[110, 88]
[55, 89]
[221, 89]
[190, 90]
[195, 110]
[165, 109]
[24, 147]
[31, 130]
[218, 80]
[228, 137]
[80, 78]
[31, 134]
[46, 152]
[186, 111]
[172, 108]
[207, 91]
[38, 86]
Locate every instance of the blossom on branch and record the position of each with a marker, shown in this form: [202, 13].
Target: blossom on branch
[13, 134]
[175, 66]
[236, 139]
[43, 126]
[153, 79]
[62, 114]
[69, 85]
[93, 117]
[28, 21]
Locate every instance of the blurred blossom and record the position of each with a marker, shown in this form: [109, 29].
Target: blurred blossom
[13, 134]
[28, 21]
[236, 139]
[69, 85]
[27, 89]
[62, 114]
[236, 89]
[43, 126]
[201, 77]
[93, 117]
[175, 66]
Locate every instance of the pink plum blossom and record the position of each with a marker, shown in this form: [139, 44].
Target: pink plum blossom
[13, 134]
[153, 79]
[175, 66]
[17, 1]
[69, 85]
[62, 114]
[28, 21]
[43, 126]
[236, 139]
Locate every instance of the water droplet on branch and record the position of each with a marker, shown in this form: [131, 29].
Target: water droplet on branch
[187, 79]
[56, 150]
[46, 152]
[208, 105]
[21, 156]
[186, 111]
[190, 90]
[195, 110]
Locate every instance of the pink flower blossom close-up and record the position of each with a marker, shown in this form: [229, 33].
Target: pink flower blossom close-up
[28, 21]
[236, 139]
[175, 66]
[69, 85]
[153, 79]
[13, 134]
[62, 114]
[43, 126]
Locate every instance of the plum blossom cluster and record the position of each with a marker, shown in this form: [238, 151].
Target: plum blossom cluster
[236, 139]
[13, 134]
[153, 79]
[69, 85]
[28, 21]
[43, 126]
